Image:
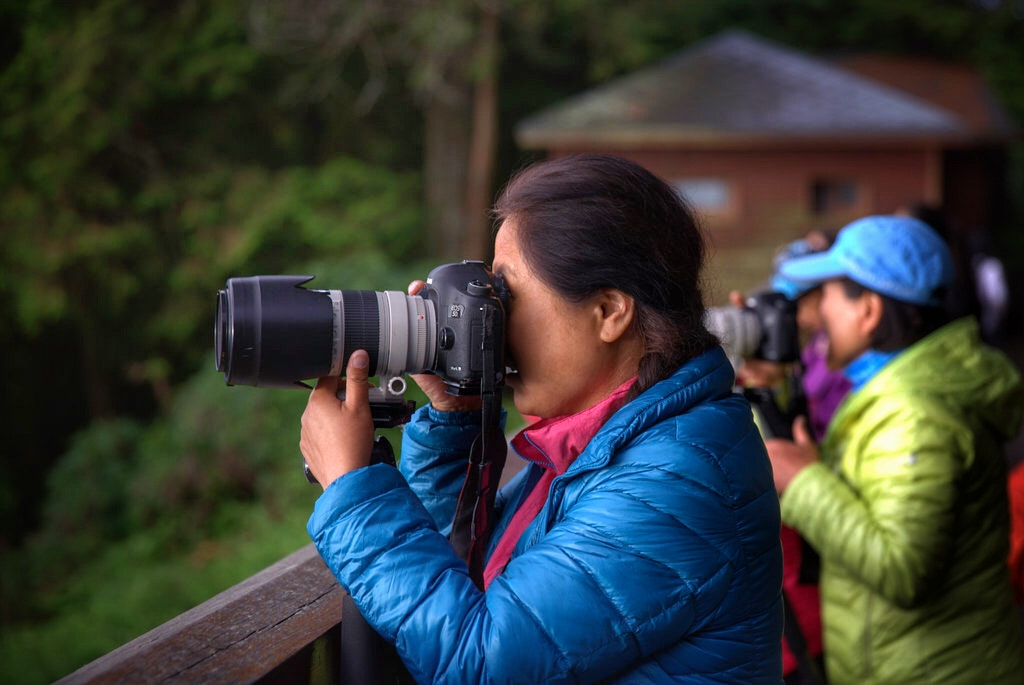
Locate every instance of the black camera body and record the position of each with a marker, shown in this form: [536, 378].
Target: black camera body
[470, 312]
[764, 328]
[272, 332]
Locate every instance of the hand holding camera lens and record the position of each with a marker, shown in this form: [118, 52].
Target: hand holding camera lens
[337, 435]
[789, 457]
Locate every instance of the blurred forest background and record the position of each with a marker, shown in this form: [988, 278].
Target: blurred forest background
[150, 150]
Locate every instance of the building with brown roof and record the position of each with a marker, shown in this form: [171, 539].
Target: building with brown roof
[768, 142]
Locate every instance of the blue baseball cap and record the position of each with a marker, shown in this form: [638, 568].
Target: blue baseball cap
[791, 289]
[897, 256]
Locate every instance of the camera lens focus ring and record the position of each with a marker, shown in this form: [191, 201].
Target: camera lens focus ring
[361, 327]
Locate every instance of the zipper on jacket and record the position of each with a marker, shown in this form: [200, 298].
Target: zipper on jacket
[869, 668]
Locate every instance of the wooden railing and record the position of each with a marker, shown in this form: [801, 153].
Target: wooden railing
[282, 625]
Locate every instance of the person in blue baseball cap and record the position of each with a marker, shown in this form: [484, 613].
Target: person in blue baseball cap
[897, 256]
[904, 499]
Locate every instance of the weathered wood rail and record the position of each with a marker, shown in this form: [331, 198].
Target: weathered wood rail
[282, 625]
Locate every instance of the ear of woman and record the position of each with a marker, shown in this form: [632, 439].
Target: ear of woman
[615, 311]
[871, 308]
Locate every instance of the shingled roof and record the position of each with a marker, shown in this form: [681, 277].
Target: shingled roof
[735, 87]
[956, 88]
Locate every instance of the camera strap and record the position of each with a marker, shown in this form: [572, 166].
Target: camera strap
[474, 512]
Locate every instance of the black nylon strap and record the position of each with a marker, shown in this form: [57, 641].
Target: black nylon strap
[474, 512]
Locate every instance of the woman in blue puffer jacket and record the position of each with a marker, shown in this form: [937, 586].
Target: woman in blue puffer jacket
[641, 541]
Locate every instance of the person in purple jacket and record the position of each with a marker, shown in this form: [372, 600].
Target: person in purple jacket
[640, 543]
[813, 391]
[823, 388]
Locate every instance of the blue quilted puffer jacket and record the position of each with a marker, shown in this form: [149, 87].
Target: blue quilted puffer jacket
[656, 557]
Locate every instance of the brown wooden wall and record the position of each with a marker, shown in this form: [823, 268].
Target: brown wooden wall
[772, 196]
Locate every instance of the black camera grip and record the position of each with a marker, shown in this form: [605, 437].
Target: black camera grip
[382, 453]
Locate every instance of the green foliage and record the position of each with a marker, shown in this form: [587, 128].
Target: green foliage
[88, 493]
[134, 585]
[71, 156]
[141, 163]
[153, 521]
[252, 220]
[144, 158]
[148, 151]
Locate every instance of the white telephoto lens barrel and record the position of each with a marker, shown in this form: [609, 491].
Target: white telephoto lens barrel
[408, 333]
[739, 330]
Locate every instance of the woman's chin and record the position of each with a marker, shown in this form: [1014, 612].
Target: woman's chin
[515, 385]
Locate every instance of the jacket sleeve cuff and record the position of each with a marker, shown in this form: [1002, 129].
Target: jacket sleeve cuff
[809, 497]
[353, 489]
[358, 513]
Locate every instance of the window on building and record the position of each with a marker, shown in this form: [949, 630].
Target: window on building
[830, 196]
[706, 195]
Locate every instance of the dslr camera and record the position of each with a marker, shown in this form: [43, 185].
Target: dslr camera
[764, 328]
[272, 332]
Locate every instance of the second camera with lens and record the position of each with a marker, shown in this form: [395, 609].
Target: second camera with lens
[764, 328]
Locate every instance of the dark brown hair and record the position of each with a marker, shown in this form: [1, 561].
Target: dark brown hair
[588, 222]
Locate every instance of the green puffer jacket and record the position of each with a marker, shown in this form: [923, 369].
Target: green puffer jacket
[908, 511]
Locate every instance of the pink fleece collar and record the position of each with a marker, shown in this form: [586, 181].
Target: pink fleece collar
[555, 442]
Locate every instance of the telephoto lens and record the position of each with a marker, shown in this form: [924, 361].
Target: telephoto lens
[738, 329]
[765, 328]
[272, 332]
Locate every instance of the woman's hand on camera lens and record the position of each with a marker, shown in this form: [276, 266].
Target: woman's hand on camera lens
[337, 435]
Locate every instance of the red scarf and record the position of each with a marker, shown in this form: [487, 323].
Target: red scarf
[553, 444]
